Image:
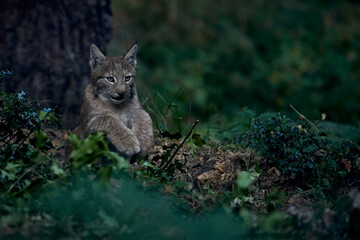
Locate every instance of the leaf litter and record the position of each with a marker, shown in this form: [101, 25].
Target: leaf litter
[211, 171]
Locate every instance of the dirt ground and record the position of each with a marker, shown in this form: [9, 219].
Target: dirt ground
[218, 168]
[214, 166]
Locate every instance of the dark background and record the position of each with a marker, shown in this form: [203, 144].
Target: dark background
[47, 44]
[197, 59]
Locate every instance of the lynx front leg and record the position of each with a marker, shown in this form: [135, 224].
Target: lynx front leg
[143, 130]
[119, 135]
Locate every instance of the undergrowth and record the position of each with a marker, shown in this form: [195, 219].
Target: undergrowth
[25, 161]
[99, 195]
[305, 153]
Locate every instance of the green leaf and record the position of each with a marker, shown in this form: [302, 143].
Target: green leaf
[245, 179]
[10, 176]
[57, 171]
[11, 169]
[42, 115]
[198, 140]
[257, 169]
[150, 165]
[40, 141]
[74, 139]
[87, 150]
[121, 163]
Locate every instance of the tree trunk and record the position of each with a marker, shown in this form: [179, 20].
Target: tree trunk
[47, 44]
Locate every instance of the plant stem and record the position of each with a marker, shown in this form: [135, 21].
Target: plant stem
[303, 117]
[313, 125]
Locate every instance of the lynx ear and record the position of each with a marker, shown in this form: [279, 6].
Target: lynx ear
[130, 56]
[96, 57]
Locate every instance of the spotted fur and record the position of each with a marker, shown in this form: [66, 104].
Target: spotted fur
[111, 104]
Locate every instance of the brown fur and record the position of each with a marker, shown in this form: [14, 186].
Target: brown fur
[111, 104]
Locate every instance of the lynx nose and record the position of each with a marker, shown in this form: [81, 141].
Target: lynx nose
[119, 95]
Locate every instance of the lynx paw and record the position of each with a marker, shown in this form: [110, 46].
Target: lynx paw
[133, 149]
[129, 146]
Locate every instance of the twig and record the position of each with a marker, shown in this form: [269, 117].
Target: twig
[313, 125]
[303, 117]
[178, 148]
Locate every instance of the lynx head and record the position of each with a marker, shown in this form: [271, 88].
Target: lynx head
[113, 77]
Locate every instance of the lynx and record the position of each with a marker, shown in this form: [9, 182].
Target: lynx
[111, 104]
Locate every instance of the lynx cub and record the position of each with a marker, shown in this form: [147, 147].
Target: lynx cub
[111, 104]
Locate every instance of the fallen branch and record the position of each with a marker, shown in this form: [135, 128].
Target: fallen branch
[178, 148]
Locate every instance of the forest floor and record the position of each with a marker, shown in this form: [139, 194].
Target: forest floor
[212, 171]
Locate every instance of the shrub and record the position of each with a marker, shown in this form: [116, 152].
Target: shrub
[303, 151]
[23, 145]
[93, 153]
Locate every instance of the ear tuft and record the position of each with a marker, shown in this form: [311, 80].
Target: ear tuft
[97, 58]
[130, 56]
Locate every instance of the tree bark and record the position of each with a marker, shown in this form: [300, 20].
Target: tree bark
[47, 44]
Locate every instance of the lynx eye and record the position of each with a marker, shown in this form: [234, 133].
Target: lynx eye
[110, 79]
[128, 78]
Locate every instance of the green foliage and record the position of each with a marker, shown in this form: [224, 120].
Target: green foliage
[239, 124]
[95, 197]
[245, 186]
[274, 222]
[117, 210]
[88, 151]
[302, 151]
[24, 146]
[224, 55]
[246, 178]
[123, 209]
[164, 113]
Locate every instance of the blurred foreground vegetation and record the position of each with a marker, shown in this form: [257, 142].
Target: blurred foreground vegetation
[212, 58]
